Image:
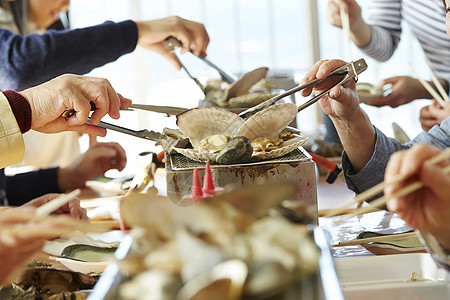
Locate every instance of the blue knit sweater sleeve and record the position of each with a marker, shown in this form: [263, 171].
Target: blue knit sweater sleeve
[33, 59]
[24, 187]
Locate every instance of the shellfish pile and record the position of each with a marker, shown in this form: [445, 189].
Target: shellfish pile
[230, 246]
[220, 136]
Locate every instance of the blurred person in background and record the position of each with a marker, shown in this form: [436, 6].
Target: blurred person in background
[32, 59]
[380, 36]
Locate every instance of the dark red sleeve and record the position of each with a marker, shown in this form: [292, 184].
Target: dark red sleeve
[20, 108]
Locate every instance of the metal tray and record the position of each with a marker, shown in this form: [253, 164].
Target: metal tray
[324, 285]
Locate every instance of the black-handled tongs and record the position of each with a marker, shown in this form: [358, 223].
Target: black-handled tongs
[173, 43]
[348, 71]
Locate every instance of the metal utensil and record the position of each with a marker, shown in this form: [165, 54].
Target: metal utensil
[170, 110]
[349, 71]
[172, 43]
[144, 134]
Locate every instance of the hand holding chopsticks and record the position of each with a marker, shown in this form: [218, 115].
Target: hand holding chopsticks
[441, 97]
[399, 185]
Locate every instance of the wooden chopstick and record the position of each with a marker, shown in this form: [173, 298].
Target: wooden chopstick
[345, 21]
[382, 200]
[375, 190]
[430, 89]
[383, 238]
[437, 83]
[56, 203]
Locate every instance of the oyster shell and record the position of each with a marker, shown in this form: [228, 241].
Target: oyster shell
[268, 122]
[243, 84]
[198, 123]
[237, 150]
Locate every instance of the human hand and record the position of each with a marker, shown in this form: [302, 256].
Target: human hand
[360, 31]
[334, 12]
[427, 209]
[98, 159]
[71, 208]
[341, 101]
[48, 101]
[433, 114]
[404, 90]
[193, 36]
[21, 236]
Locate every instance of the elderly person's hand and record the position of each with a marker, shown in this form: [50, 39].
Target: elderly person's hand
[193, 36]
[98, 159]
[50, 100]
[71, 208]
[342, 101]
[352, 124]
[427, 209]
[433, 114]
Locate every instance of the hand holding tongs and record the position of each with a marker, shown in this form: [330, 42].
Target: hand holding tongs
[349, 71]
[173, 43]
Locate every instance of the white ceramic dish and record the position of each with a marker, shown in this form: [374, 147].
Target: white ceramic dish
[389, 277]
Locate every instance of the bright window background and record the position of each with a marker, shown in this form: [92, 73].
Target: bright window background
[245, 34]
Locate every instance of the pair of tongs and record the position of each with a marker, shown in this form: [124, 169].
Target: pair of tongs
[143, 134]
[348, 71]
[172, 43]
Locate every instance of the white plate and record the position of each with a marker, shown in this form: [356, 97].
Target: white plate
[387, 277]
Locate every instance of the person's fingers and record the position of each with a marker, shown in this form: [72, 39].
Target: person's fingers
[434, 177]
[392, 170]
[333, 13]
[105, 100]
[310, 76]
[124, 102]
[200, 38]
[390, 100]
[88, 129]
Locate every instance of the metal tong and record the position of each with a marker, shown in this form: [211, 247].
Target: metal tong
[348, 71]
[143, 134]
[173, 43]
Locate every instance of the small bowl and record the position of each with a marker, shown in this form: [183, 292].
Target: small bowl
[367, 92]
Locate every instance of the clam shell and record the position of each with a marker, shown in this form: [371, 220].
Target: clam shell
[289, 146]
[199, 123]
[268, 122]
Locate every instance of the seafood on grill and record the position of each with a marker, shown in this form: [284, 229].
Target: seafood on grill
[249, 90]
[225, 247]
[220, 136]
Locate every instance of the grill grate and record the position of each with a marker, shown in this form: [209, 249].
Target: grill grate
[180, 162]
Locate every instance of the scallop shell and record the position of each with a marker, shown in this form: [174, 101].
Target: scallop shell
[268, 122]
[288, 146]
[209, 156]
[194, 154]
[199, 123]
